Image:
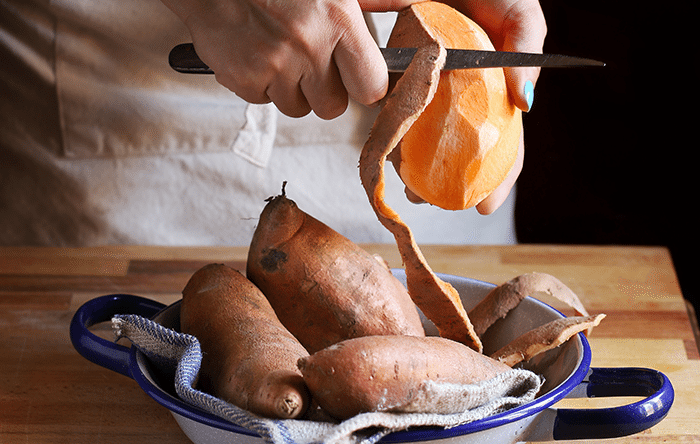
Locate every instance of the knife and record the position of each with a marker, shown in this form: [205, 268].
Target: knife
[183, 58]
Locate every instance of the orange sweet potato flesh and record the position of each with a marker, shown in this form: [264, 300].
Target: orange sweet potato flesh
[248, 358]
[385, 373]
[324, 287]
[466, 140]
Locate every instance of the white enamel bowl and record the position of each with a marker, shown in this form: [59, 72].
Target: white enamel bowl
[566, 370]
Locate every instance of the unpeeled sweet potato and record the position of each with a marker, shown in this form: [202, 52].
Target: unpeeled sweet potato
[249, 358]
[388, 373]
[324, 287]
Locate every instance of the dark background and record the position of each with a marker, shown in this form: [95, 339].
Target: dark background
[611, 152]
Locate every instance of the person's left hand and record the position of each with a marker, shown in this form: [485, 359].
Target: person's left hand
[512, 25]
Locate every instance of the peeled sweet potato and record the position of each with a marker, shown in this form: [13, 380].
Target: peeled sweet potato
[324, 287]
[389, 373]
[249, 358]
[465, 142]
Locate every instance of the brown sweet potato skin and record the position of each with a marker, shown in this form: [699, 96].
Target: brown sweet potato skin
[383, 373]
[323, 287]
[438, 300]
[249, 358]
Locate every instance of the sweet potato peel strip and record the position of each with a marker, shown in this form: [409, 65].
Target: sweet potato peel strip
[507, 296]
[438, 300]
[544, 338]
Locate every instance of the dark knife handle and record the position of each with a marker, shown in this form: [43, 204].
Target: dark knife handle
[183, 58]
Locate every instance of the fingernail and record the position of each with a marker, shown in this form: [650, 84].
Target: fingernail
[529, 94]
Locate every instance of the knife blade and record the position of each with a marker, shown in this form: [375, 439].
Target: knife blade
[183, 58]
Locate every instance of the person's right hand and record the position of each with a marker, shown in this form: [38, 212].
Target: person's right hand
[303, 55]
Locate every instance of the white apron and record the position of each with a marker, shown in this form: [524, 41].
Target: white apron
[102, 143]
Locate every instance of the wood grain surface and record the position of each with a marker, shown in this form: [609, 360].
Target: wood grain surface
[51, 394]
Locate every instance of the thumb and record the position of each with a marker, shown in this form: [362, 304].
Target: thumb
[362, 67]
[524, 31]
[494, 200]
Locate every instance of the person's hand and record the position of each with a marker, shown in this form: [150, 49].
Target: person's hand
[303, 55]
[310, 56]
[494, 200]
[512, 25]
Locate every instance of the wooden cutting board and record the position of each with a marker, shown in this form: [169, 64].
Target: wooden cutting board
[50, 394]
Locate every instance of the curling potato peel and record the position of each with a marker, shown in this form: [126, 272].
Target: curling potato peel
[544, 338]
[507, 296]
[452, 136]
[438, 300]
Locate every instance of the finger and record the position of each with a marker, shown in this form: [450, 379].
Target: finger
[279, 73]
[413, 197]
[249, 80]
[288, 97]
[500, 194]
[362, 68]
[325, 92]
[524, 30]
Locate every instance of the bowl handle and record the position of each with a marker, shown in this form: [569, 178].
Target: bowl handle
[616, 421]
[101, 351]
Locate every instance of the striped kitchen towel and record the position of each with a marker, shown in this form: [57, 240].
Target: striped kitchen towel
[180, 355]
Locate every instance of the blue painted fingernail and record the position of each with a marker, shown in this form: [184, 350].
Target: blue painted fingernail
[529, 94]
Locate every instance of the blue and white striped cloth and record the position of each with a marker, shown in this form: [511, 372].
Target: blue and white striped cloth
[168, 349]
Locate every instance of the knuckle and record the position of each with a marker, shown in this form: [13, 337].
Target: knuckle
[375, 95]
[288, 101]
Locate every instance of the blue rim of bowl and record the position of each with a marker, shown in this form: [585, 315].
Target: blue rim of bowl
[512, 415]
[179, 407]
